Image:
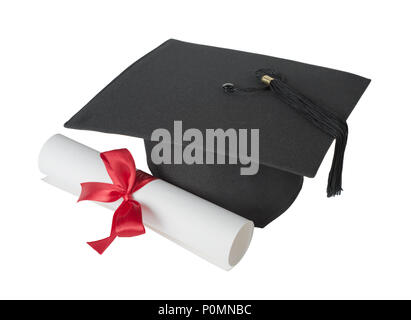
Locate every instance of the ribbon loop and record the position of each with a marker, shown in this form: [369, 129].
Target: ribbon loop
[128, 223]
[120, 167]
[127, 219]
[97, 191]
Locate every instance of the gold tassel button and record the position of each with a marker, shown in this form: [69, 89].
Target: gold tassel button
[266, 80]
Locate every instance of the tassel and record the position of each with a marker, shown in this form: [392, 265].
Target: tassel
[323, 119]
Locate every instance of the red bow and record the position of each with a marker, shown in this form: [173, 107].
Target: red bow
[127, 219]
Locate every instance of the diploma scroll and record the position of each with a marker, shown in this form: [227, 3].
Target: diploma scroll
[211, 232]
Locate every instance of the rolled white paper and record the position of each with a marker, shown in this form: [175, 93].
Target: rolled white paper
[211, 232]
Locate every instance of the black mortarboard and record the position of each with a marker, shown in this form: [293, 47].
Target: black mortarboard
[298, 108]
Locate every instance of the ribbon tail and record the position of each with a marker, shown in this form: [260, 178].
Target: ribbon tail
[101, 245]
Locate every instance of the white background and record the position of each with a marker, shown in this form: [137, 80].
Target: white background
[56, 55]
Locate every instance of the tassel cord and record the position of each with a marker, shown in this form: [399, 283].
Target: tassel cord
[321, 118]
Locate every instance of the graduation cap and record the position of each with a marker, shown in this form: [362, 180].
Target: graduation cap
[299, 110]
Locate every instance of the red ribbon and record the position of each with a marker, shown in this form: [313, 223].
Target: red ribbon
[127, 219]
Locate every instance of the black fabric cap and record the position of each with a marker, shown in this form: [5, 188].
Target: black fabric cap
[261, 197]
[183, 81]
